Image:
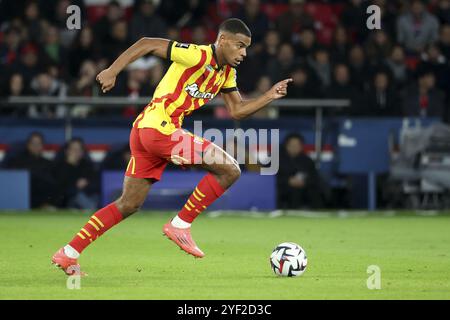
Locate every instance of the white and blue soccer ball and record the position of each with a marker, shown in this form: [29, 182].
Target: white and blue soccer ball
[288, 259]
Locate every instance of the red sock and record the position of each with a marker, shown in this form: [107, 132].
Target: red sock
[206, 192]
[99, 223]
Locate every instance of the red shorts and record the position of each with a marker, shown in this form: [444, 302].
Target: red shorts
[151, 151]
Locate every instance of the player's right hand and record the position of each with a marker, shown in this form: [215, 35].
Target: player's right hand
[107, 79]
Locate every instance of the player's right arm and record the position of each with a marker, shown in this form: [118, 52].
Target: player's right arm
[155, 46]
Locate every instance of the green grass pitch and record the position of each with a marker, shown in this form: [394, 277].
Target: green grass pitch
[134, 261]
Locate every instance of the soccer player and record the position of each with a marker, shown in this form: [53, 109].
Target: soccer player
[197, 74]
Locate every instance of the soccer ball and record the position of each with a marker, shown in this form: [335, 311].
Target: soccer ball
[288, 259]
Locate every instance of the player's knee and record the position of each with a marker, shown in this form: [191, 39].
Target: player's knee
[234, 172]
[127, 207]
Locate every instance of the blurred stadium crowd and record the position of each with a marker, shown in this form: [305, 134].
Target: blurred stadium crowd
[325, 46]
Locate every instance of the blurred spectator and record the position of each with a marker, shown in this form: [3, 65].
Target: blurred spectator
[354, 19]
[52, 46]
[256, 20]
[378, 47]
[85, 85]
[321, 65]
[298, 182]
[184, 13]
[45, 85]
[103, 27]
[293, 20]
[117, 159]
[146, 22]
[32, 20]
[397, 66]
[29, 64]
[382, 98]
[340, 45]
[9, 49]
[303, 85]
[118, 41]
[307, 44]
[262, 86]
[341, 88]
[83, 48]
[417, 28]
[433, 60]
[76, 177]
[423, 99]
[199, 35]
[41, 178]
[359, 69]
[444, 41]
[443, 11]
[280, 68]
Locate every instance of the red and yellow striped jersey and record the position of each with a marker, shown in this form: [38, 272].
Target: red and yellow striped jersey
[192, 80]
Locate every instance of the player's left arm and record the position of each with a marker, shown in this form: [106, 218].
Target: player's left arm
[240, 109]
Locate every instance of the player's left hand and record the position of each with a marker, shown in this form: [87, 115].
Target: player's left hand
[279, 90]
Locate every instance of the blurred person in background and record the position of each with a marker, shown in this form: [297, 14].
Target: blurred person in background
[382, 98]
[378, 47]
[304, 85]
[146, 22]
[293, 20]
[321, 65]
[75, 177]
[83, 48]
[359, 68]
[52, 47]
[433, 60]
[103, 27]
[423, 99]
[256, 20]
[444, 41]
[33, 21]
[298, 181]
[45, 85]
[42, 181]
[118, 40]
[354, 18]
[84, 86]
[340, 45]
[117, 159]
[10, 46]
[307, 45]
[443, 11]
[29, 64]
[396, 64]
[342, 88]
[281, 67]
[417, 28]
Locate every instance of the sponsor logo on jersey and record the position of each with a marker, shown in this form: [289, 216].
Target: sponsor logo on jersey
[194, 92]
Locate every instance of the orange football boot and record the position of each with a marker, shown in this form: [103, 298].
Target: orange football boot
[182, 237]
[69, 265]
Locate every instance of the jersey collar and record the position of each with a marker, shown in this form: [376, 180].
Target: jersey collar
[217, 68]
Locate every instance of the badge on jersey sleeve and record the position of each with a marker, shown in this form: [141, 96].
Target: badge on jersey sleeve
[182, 45]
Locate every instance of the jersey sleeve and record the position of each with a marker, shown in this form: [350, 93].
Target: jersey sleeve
[230, 83]
[184, 53]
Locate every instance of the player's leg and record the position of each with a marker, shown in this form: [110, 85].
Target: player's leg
[134, 193]
[223, 171]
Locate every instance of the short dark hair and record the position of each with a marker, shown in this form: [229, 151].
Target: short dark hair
[234, 25]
